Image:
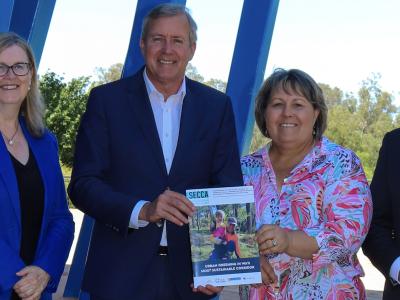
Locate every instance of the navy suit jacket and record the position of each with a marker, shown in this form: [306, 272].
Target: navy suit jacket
[382, 244]
[57, 230]
[119, 161]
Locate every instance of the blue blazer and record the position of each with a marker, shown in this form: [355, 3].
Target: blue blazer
[119, 161]
[57, 230]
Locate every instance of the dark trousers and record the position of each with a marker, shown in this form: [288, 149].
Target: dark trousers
[163, 287]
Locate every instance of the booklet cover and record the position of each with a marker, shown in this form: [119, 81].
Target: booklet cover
[224, 251]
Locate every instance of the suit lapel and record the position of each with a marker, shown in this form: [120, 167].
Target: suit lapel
[140, 104]
[10, 181]
[187, 129]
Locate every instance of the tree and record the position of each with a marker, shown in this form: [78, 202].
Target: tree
[360, 123]
[333, 96]
[65, 104]
[108, 75]
[192, 73]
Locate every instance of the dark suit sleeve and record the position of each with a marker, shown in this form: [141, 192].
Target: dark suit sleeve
[89, 188]
[379, 245]
[226, 169]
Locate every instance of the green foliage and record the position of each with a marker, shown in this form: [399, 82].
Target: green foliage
[217, 84]
[360, 123]
[65, 103]
[104, 75]
[258, 141]
[192, 73]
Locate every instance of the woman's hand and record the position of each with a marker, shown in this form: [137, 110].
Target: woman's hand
[34, 280]
[267, 272]
[272, 239]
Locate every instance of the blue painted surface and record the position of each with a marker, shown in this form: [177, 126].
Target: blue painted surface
[30, 19]
[134, 59]
[40, 27]
[75, 276]
[22, 17]
[6, 8]
[248, 64]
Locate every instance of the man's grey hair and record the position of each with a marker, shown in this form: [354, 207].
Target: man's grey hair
[169, 10]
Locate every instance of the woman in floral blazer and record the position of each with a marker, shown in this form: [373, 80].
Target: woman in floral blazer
[313, 203]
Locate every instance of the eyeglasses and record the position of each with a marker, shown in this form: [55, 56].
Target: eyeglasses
[19, 69]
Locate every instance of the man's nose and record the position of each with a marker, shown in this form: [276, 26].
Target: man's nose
[168, 46]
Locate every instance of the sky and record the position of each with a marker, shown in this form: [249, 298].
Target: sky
[338, 42]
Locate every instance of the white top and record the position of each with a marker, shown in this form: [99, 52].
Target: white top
[167, 115]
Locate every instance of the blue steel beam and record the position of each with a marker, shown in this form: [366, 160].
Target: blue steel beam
[133, 62]
[6, 8]
[30, 19]
[40, 27]
[23, 16]
[248, 64]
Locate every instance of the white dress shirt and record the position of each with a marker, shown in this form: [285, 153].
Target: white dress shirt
[167, 114]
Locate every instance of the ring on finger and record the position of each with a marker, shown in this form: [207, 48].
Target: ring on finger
[274, 243]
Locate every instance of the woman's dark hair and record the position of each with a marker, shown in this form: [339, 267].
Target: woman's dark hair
[297, 81]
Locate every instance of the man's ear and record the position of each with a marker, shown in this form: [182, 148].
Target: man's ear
[193, 50]
[142, 46]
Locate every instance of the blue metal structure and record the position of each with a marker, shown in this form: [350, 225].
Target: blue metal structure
[248, 64]
[31, 19]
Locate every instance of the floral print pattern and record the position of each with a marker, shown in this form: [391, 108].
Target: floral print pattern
[327, 196]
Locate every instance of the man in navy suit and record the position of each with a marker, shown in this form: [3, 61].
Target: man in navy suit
[382, 245]
[142, 142]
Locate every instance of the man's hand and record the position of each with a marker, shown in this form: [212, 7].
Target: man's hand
[34, 280]
[208, 289]
[170, 206]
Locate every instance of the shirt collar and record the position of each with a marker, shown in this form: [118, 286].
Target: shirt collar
[152, 89]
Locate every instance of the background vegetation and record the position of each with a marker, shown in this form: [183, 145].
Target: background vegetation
[357, 121]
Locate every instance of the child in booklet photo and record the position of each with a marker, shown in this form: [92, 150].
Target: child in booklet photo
[215, 237]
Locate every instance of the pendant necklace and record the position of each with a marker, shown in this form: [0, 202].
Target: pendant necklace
[11, 140]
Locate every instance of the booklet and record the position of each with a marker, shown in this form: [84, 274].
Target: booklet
[224, 251]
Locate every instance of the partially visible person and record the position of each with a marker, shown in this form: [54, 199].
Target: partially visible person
[218, 234]
[382, 245]
[143, 141]
[232, 239]
[36, 227]
[313, 203]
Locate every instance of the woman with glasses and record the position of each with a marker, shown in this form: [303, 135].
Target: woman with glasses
[36, 227]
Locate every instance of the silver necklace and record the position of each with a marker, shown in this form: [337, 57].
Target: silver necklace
[11, 140]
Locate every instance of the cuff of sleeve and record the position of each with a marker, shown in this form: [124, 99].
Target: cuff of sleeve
[134, 222]
[394, 270]
[322, 257]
